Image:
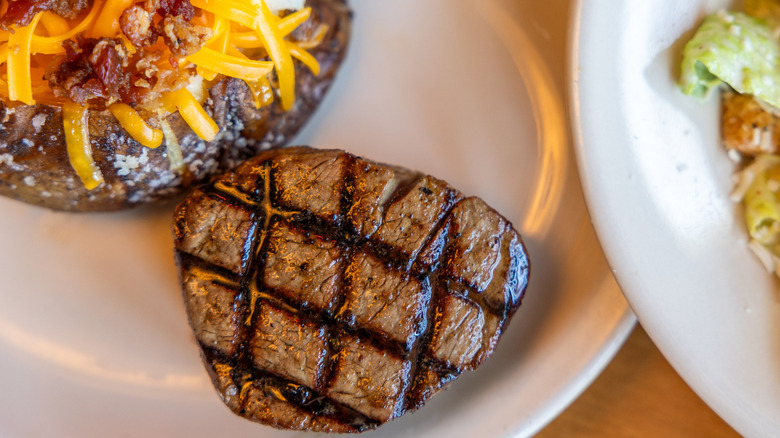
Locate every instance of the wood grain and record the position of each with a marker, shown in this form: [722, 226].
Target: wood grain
[638, 395]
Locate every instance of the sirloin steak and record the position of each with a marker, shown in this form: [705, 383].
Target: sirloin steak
[332, 293]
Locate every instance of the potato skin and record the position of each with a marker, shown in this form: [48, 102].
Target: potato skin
[34, 165]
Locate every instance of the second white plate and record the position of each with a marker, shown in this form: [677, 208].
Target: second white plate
[657, 183]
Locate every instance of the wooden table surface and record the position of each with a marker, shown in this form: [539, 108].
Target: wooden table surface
[638, 395]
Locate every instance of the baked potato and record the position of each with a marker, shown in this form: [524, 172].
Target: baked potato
[83, 135]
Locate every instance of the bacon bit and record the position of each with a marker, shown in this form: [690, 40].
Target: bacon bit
[176, 8]
[138, 26]
[135, 93]
[100, 72]
[93, 71]
[169, 80]
[107, 61]
[142, 27]
[182, 37]
[146, 65]
[21, 12]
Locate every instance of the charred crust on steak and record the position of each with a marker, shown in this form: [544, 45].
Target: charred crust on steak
[358, 291]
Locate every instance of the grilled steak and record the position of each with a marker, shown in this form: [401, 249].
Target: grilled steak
[332, 293]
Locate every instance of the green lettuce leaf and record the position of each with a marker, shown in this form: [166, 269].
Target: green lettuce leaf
[737, 49]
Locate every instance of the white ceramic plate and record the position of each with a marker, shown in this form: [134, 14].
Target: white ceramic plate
[93, 336]
[657, 184]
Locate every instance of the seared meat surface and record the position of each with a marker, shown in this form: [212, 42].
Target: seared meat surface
[332, 293]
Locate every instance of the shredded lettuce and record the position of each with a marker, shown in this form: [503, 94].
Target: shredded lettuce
[743, 51]
[762, 202]
[737, 49]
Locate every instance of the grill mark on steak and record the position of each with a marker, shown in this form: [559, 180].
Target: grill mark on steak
[417, 395]
[391, 325]
[339, 417]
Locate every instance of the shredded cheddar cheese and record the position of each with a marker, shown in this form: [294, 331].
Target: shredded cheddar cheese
[192, 113]
[238, 11]
[292, 21]
[220, 38]
[220, 34]
[261, 92]
[172, 143]
[266, 25]
[286, 26]
[305, 57]
[232, 66]
[316, 39]
[52, 45]
[107, 23]
[53, 23]
[75, 118]
[3, 52]
[136, 126]
[19, 79]
[237, 26]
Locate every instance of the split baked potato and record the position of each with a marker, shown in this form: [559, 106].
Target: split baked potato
[170, 94]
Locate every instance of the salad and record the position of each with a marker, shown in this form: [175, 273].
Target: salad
[739, 52]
